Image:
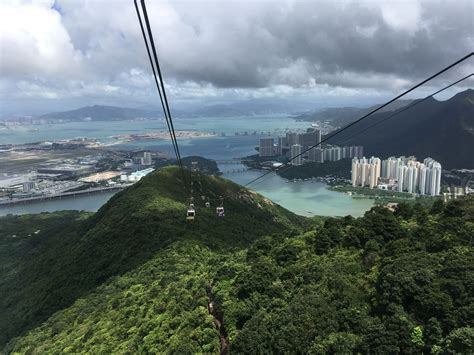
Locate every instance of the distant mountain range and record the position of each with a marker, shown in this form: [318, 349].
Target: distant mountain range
[114, 113]
[253, 107]
[340, 116]
[443, 130]
[100, 113]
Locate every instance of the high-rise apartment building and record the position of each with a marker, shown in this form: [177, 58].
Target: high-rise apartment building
[365, 172]
[282, 145]
[295, 157]
[266, 147]
[433, 180]
[413, 176]
[316, 155]
[291, 139]
[147, 158]
[309, 139]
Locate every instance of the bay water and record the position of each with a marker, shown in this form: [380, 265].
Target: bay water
[306, 198]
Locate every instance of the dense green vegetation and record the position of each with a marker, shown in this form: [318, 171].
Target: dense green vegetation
[340, 169]
[31, 242]
[135, 278]
[204, 165]
[71, 259]
[384, 283]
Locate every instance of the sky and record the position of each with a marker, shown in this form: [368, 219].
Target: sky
[58, 54]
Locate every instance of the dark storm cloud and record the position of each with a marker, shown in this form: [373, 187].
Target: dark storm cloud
[284, 44]
[228, 49]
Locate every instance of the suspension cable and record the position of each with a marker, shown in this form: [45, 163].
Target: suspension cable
[163, 97]
[364, 117]
[155, 78]
[403, 109]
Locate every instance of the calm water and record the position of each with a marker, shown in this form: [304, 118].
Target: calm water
[302, 197]
[83, 203]
[102, 130]
[306, 198]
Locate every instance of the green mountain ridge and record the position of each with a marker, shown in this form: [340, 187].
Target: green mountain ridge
[122, 235]
[136, 277]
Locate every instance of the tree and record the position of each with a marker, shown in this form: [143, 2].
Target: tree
[417, 337]
[420, 213]
[404, 210]
[323, 242]
[437, 207]
[460, 341]
[453, 209]
[371, 252]
[433, 334]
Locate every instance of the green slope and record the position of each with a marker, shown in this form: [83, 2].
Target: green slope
[385, 283]
[71, 259]
[160, 306]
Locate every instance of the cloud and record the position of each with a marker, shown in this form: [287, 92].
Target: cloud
[221, 49]
[34, 42]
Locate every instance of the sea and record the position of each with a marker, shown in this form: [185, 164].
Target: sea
[235, 137]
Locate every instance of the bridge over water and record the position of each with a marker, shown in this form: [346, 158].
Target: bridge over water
[232, 161]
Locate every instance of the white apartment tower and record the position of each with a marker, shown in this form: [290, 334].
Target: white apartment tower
[365, 172]
[355, 172]
[147, 158]
[295, 155]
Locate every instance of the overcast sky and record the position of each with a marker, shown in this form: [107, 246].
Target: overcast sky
[69, 53]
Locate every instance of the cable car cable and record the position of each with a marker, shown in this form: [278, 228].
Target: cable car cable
[366, 115]
[158, 69]
[163, 96]
[403, 109]
[156, 79]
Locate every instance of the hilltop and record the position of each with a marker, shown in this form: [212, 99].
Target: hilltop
[136, 277]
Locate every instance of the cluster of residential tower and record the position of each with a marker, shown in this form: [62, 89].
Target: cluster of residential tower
[294, 144]
[400, 174]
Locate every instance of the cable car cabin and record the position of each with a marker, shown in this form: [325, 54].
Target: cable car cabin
[208, 204]
[191, 213]
[220, 211]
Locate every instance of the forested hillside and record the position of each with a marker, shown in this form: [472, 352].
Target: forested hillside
[136, 278]
[68, 259]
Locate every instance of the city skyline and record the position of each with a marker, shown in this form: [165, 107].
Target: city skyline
[308, 142]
